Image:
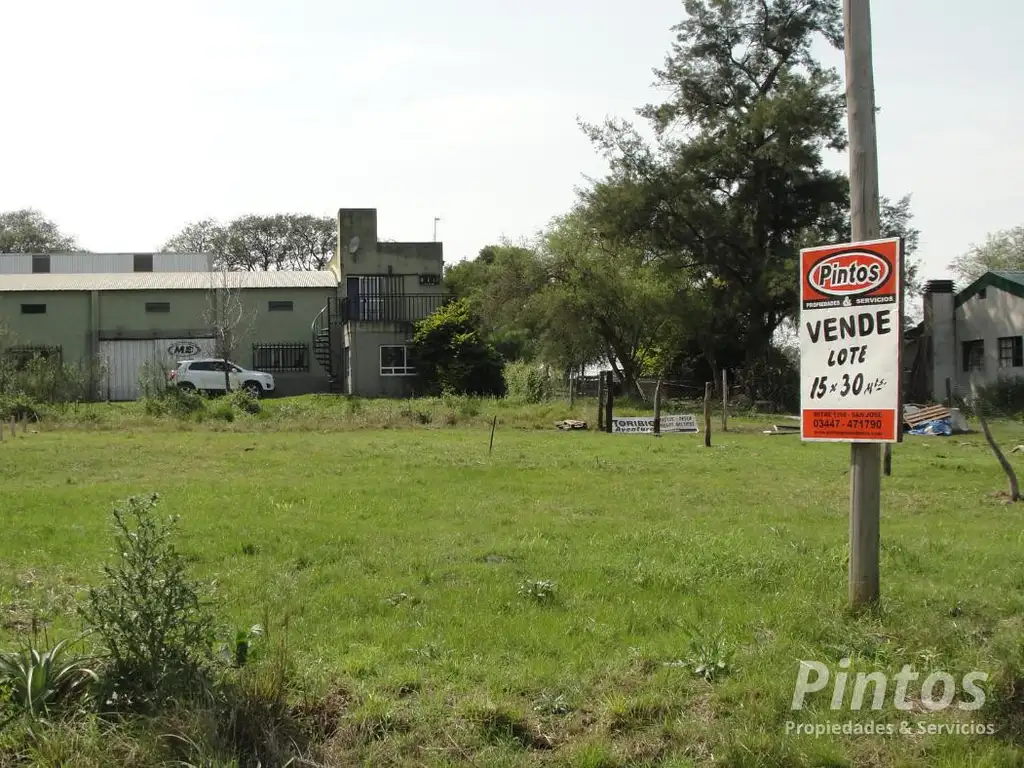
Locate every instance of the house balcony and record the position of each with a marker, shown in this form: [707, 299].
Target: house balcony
[388, 308]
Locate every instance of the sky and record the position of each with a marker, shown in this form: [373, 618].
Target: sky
[126, 119]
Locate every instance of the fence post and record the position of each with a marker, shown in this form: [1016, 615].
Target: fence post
[657, 409]
[725, 400]
[600, 402]
[949, 392]
[709, 388]
[609, 402]
[12, 426]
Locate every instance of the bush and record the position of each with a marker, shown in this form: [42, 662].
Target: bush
[528, 383]
[244, 402]
[453, 358]
[1004, 397]
[45, 379]
[149, 614]
[175, 403]
[19, 406]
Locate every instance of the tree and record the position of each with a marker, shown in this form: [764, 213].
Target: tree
[734, 184]
[497, 286]
[28, 231]
[228, 317]
[1003, 250]
[452, 356]
[261, 243]
[601, 298]
[206, 236]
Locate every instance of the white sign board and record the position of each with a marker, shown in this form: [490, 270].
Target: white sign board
[644, 425]
[851, 317]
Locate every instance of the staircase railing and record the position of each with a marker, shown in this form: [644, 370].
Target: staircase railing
[321, 330]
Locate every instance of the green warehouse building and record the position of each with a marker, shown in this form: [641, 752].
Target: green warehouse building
[345, 329]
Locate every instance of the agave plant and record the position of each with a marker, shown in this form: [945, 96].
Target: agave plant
[41, 680]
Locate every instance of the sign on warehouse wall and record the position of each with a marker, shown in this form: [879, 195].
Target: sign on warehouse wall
[851, 319]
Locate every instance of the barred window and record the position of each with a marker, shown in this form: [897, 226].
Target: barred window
[285, 357]
[1011, 352]
[395, 360]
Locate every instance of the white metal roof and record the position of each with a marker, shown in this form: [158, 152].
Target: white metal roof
[163, 281]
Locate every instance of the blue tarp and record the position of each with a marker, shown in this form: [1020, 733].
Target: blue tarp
[936, 427]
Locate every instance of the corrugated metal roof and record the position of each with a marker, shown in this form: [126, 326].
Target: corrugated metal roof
[163, 281]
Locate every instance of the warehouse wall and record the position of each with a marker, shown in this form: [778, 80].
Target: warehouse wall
[65, 323]
[79, 321]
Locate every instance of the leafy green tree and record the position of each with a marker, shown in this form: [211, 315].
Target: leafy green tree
[1003, 250]
[497, 285]
[28, 231]
[452, 356]
[260, 243]
[734, 183]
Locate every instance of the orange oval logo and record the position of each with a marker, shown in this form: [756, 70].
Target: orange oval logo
[849, 274]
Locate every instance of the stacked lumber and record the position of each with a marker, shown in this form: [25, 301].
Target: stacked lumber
[926, 414]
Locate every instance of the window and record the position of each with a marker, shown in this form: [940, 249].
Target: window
[158, 306]
[974, 355]
[1011, 352]
[280, 306]
[982, 293]
[40, 265]
[430, 279]
[289, 357]
[396, 361]
[33, 309]
[142, 262]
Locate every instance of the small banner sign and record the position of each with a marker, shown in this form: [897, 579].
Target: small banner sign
[644, 425]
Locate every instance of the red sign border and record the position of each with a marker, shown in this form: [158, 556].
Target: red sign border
[899, 270]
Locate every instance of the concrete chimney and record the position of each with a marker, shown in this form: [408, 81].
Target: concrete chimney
[940, 337]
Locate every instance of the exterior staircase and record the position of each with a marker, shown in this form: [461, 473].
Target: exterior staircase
[323, 352]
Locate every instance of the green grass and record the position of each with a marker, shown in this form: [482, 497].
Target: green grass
[396, 558]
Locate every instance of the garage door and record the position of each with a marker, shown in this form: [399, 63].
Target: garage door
[129, 362]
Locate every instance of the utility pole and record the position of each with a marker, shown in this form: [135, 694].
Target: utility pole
[865, 458]
[436, 219]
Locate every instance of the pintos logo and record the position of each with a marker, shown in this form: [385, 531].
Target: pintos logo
[850, 273]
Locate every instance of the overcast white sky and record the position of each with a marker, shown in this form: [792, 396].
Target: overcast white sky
[125, 119]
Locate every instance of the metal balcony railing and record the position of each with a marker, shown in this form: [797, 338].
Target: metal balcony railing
[393, 308]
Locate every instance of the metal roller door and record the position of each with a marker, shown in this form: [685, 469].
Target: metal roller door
[126, 362]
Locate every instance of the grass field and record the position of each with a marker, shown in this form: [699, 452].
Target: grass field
[396, 558]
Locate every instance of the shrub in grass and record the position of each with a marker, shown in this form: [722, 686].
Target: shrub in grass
[38, 682]
[149, 613]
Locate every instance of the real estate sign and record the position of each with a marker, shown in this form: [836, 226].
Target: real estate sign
[851, 318]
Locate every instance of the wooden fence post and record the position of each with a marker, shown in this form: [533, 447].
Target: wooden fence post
[609, 401]
[725, 400]
[12, 426]
[657, 409]
[709, 388]
[600, 402]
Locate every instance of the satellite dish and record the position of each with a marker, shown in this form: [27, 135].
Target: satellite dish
[353, 244]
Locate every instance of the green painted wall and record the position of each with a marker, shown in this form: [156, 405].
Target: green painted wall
[123, 315]
[72, 323]
[66, 322]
